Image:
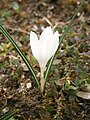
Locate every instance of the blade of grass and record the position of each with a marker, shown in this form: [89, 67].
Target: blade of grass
[61, 39]
[4, 31]
[8, 115]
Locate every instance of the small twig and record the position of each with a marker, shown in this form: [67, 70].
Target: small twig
[59, 23]
[17, 29]
[48, 21]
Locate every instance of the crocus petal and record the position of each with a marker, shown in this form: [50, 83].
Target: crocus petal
[56, 42]
[34, 43]
[49, 47]
[45, 39]
[46, 34]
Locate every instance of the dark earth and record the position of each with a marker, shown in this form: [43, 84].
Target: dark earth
[70, 69]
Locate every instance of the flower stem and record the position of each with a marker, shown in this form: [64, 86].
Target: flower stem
[42, 79]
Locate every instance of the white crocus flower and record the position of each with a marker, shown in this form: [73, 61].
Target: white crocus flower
[44, 48]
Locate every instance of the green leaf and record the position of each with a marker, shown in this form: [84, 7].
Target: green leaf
[82, 73]
[12, 118]
[76, 83]
[8, 116]
[15, 6]
[67, 85]
[4, 31]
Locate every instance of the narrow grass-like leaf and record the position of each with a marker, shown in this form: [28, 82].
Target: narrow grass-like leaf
[61, 39]
[4, 31]
[8, 115]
